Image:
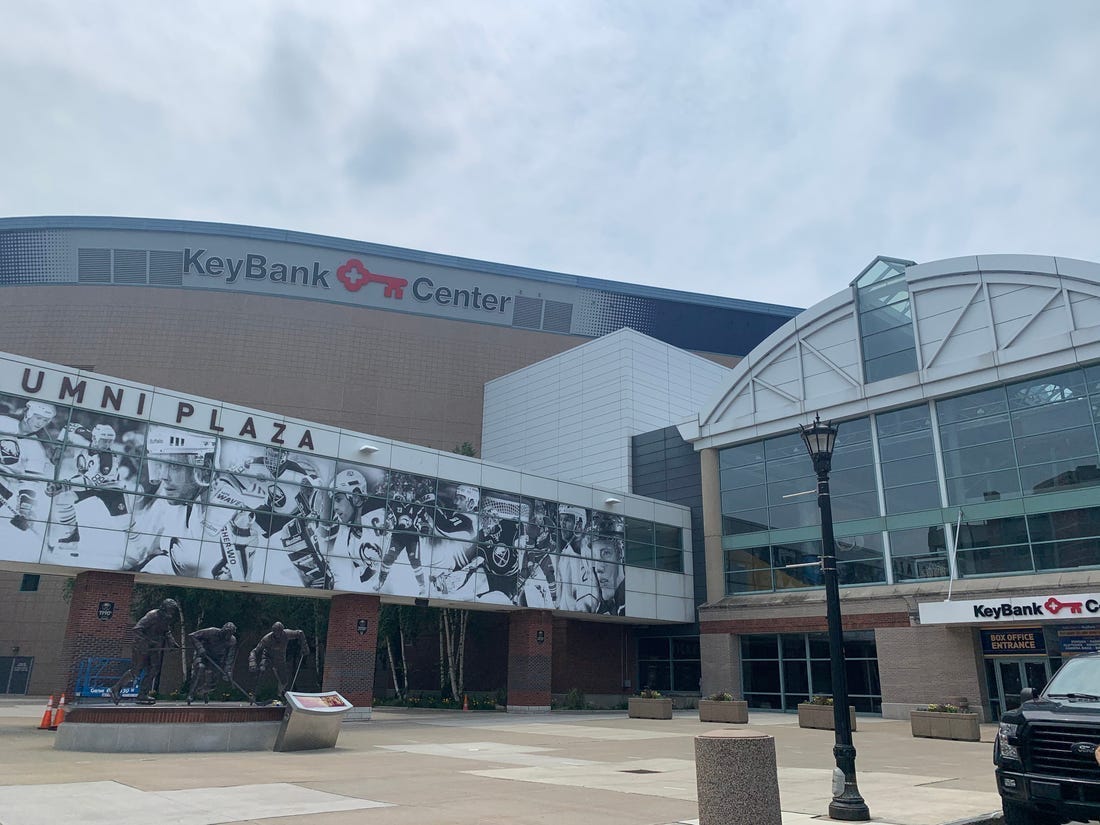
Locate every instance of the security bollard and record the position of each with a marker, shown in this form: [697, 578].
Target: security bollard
[736, 777]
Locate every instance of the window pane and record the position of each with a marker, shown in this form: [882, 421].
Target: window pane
[972, 433]
[668, 536]
[1049, 417]
[1059, 475]
[985, 562]
[982, 458]
[671, 559]
[910, 471]
[760, 647]
[793, 645]
[761, 677]
[1045, 390]
[863, 571]
[734, 477]
[744, 498]
[987, 487]
[796, 677]
[890, 365]
[1053, 446]
[639, 554]
[975, 405]
[1065, 524]
[748, 581]
[861, 505]
[653, 647]
[750, 521]
[912, 498]
[1062, 555]
[639, 531]
[685, 647]
[906, 445]
[686, 676]
[741, 455]
[854, 480]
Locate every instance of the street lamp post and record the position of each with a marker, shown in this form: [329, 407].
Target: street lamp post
[847, 803]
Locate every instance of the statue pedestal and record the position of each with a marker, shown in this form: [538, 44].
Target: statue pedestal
[169, 728]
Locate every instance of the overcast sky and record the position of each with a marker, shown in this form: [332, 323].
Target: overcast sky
[758, 150]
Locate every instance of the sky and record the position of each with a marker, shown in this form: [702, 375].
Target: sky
[757, 150]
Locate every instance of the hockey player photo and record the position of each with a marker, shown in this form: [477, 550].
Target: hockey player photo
[487, 568]
[410, 516]
[26, 466]
[293, 506]
[93, 490]
[177, 531]
[356, 535]
[577, 578]
[607, 562]
[538, 573]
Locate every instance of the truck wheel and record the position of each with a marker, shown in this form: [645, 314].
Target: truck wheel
[1019, 815]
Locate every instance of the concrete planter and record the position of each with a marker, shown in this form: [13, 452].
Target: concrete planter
[639, 708]
[930, 724]
[728, 713]
[821, 716]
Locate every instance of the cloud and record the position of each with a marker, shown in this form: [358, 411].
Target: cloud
[758, 150]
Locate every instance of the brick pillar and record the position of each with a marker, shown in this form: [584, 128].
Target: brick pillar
[349, 653]
[530, 656]
[88, 633]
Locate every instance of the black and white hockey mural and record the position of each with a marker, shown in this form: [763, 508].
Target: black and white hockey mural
[90, 489]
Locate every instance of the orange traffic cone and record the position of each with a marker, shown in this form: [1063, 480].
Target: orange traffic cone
[59, 716]
[465, 702]
[47, 715]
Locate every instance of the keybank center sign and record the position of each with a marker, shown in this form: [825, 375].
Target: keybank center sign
[404, 281]
[1024, 608]
[352, 276]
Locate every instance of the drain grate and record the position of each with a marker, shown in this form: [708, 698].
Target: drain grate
[639, 770]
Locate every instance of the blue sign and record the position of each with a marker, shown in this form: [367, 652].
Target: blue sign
[1078, 640]
[1017, 641]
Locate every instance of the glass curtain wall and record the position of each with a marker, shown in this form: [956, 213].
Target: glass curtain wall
[1014, 485]
[779, 670]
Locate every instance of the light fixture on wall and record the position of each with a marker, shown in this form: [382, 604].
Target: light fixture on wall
[612, 501]
[367, 448]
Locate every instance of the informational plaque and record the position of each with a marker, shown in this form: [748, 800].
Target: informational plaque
[312, 721]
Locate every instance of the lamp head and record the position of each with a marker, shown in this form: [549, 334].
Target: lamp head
[820, 439]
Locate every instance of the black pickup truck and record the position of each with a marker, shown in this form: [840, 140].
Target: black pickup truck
[1048, 771]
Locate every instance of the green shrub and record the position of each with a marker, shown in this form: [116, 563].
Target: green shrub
[821, 700]
[942, 708]
[650, 693]
[575, 700]
[721, 697]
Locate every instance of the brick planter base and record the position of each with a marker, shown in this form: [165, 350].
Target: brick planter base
[727, 713]
[820, 717]
[638, 708]
[929, 724]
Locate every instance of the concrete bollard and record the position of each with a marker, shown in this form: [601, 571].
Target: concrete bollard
[737, 780]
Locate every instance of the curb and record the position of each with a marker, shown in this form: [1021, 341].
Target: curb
[991, 818]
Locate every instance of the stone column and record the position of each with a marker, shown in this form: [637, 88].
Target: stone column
[530, 656]
[350, 647]
[720, 653]
[99, 622]
[737, 778]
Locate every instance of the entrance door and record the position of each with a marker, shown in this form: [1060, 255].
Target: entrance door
[1013, 675]
[15, 673]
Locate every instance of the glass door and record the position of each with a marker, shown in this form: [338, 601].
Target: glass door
[1013, 675]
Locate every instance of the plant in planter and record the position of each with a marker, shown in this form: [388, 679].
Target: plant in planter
[722, 707]
[818, 713]
[944, 721]
[649, 704]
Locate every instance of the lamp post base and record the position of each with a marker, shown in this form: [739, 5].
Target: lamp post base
[849, 810]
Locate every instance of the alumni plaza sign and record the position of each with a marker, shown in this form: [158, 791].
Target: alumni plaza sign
[1020, 608]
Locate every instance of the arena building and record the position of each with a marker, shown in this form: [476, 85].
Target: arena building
[964, 488]
[242, 354]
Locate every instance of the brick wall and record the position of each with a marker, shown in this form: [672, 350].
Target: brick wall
[88, 635]
[931, 663]
[349, 654]
[591, 656]
[529, 660]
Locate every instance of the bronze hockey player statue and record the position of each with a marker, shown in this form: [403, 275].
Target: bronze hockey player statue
[270, 654]
[152, 636]
[213, 652]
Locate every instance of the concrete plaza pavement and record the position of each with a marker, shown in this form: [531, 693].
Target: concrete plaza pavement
[418, 767]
